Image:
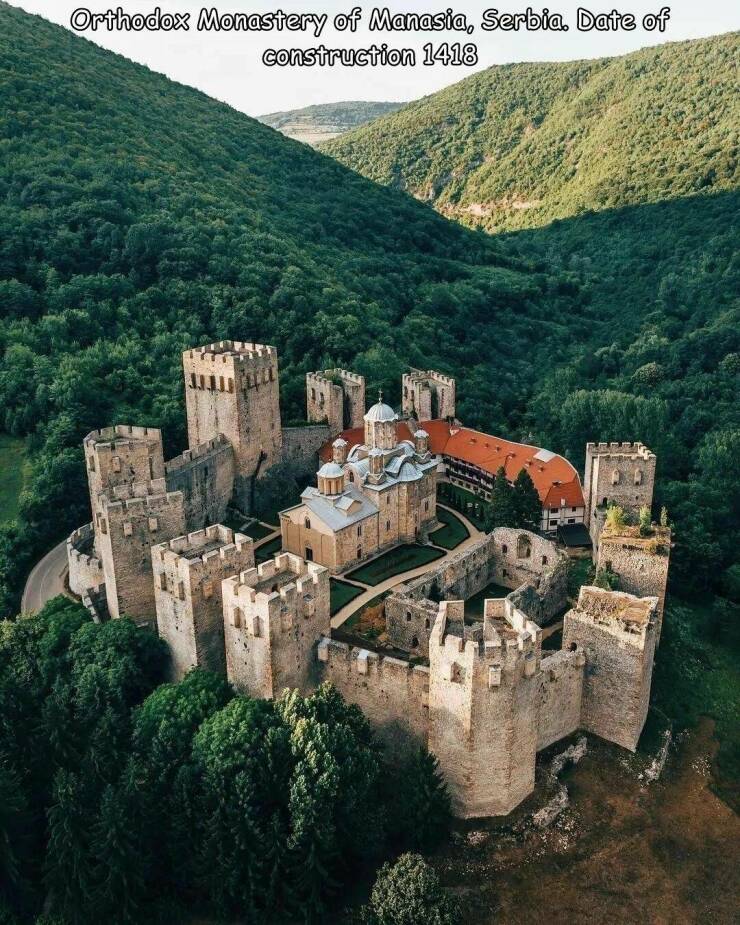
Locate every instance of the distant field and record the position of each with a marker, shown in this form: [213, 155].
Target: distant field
[394, 562]
[14, 470]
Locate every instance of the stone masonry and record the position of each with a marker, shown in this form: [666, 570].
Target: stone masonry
[427, 395]
[231, 388]
[335, 397]
[188, 572]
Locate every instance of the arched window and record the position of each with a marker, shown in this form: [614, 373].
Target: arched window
[307, 523]
[414, 642]
[408, 616]
[523, 547]
[427, 623]
[544, 560]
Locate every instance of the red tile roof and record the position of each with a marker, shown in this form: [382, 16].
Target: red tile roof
[555, 478]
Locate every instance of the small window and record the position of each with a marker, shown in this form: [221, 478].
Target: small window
[387, 525]
[91, 464]
[193, 381]
[359, 552]
[427, 623]
[231, 385]
[181, 590]
[221, 383]
[213, 383]
[313, 394]
[202, 382]
[162, 581]
[544, 560]
[351, 476]
[504, 549]
[387, 499]
[359, 530]
[307, 523]
[308, 554]
[414, 642]
[426, 505]
[408, 616]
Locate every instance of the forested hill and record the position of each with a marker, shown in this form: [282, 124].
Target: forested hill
[519, 145]
[314, 124]
[139, 217]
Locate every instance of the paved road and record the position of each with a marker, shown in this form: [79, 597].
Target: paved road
[341, 616]
[46, 579]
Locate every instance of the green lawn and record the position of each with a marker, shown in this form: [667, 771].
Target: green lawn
[474, 604]
[394, 562]
[464, 501]
[342, 593]
[452, 534]
[14, 467]
[269, 549]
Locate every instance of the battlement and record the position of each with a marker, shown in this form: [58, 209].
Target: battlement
[373, 665]
[197, 454]
[85, 568]
[140, 497]
[427, 394]
[415, 375]
[234, 351]
[633, 450]
[328, 376]
[189, 553]
[122, 434]
[281, 579]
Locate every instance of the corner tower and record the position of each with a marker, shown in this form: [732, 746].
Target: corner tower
[428, 395]
[617, 473]
[231, 388]
[337, 397]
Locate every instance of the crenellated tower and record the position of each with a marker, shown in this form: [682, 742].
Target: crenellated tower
[274, 616]
[337, 397]
[483, 698]
[188, 572]
[427, 395]
[616, 473]
[231, 388]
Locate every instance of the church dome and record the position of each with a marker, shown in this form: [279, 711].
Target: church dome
[330, 470]
[380, 414]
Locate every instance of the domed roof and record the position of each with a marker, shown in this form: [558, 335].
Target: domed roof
[330, 470]
[408, 473]
[380, 413]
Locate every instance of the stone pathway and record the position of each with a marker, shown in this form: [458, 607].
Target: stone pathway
[341, 616]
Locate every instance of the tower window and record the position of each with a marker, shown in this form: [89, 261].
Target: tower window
[213, 383]
[359, 530]
[387, 525]
[193, 381]
[414, 642]
[359, 552]
[408, 616]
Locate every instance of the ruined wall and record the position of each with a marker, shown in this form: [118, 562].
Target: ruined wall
[337, 397]
[641, 564]
[483, 717]
[132, 520]
[231, 388]
[427, 395]
[121, 455]
[560, 684]
[301, 445]
[85, 568]
[616, 632]
[392, 693]
[205, 476]
[188, 572]
[274, 616]
[524, 558]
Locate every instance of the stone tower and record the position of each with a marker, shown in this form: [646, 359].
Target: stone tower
[121, 455]
[188, 572]
[380, 426]
[427, 395]
[616, 473]
[132, 519]
[274, 616]
[231, 388]
[483, 698]
[641, 563]
[617, 634]
[337, 397]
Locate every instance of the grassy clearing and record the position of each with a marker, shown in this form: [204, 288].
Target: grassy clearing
[14, 467]
[452, 533]
[341, 594]
[394, 562]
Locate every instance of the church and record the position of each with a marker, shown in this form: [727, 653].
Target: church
[379, 494]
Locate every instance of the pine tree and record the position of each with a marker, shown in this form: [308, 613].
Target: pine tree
[420, 814]
[502, 511]
[527, 504]
[68, 858]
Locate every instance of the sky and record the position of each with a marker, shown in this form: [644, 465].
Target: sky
[229, 67]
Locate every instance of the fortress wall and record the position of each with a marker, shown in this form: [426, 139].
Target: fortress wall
[302, 444]
[205, 476]
[85, 569]
[641, 564]
[560, 688]
[391, 693]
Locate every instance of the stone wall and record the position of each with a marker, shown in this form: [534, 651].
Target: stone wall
[188, 572]
[391, 693]
[337, 397]
[426, 394]
[121, 455]
[133, 519]
[274, 616]
[560, 688]
[616, 633]
[85, 569]
[640, 562]
[527, 559]
[231, 388]
[205, 476]
[301, 445]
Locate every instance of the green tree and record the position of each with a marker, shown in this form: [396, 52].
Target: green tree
[419, 814]
[645, 521]
[409, 893]
[526, 502]
[68, 864]
[502, 511]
